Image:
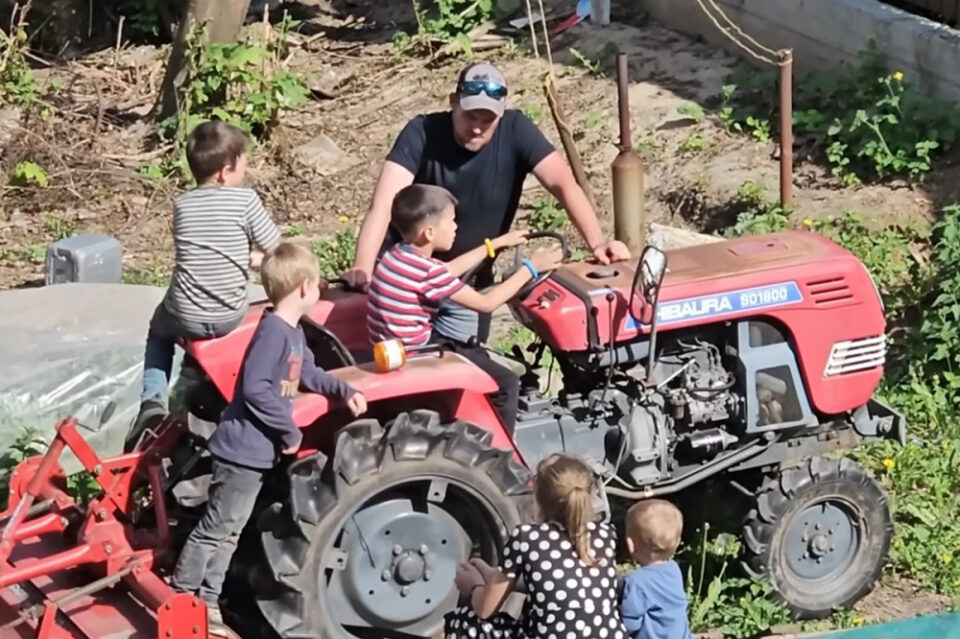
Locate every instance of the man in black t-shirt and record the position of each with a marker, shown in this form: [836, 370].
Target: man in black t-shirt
[482, 153]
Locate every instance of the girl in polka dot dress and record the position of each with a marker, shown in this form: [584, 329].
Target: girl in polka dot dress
[566, 563]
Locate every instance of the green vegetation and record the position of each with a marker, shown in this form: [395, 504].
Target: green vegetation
[592, 121]
[547, 215]
[29, 174]
[869, 123]
[243, 83]
[446, 22]
[17, 82]
[534, 112]
[336, 253]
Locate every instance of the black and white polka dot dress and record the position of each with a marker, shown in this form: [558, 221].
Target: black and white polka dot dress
[566, 599]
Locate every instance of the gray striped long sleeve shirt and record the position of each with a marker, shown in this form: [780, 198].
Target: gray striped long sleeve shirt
[214, 228]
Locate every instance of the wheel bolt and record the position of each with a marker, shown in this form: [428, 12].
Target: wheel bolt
[832, 548]
[397, 549]
[424, 549]
[404, 591]
[819, 560]
[816, 527]
[804, 539]
[426, 575]
[385, 576]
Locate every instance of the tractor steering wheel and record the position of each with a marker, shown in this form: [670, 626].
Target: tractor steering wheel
[520, 255]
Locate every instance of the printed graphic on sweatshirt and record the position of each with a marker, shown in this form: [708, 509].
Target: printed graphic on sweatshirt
[290, 385]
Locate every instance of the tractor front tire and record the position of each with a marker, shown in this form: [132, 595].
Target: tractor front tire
[819, 534]
[371, 538]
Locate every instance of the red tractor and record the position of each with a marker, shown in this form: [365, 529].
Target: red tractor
[755, 359]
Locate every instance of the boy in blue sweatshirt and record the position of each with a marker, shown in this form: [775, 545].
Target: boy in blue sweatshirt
[257, 426]
[654, 603]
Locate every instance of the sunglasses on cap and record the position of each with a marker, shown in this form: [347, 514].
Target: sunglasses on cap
[476, 87]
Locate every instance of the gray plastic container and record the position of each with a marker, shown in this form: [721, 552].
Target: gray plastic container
[84, 258]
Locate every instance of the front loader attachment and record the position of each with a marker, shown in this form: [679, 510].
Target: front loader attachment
[74, 572]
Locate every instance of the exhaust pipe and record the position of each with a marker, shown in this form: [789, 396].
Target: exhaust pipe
[628, 219]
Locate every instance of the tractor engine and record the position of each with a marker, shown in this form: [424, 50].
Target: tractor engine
[685, 412]
[637, 431]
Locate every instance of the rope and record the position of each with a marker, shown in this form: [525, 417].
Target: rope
[546, 35]
[726, 31]
[533, 36]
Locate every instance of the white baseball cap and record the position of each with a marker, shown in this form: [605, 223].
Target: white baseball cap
[482, 86]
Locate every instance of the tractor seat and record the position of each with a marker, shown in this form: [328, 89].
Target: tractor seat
[328, 351]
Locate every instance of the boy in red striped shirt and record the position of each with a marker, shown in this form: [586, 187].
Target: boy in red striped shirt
[409, 283]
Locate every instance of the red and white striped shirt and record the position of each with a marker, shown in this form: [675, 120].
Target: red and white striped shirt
[406, 291]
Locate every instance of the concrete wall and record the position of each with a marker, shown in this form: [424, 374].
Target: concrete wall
[826, 33]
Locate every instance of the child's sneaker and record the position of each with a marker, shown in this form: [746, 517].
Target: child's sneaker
[152, 411]
[215, 623]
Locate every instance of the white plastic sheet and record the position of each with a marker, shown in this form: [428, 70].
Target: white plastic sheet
[72, 349]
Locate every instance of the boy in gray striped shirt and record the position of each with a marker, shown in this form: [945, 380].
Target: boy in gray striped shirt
[214, 226]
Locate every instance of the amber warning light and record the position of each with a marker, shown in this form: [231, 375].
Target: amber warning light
[391, 354]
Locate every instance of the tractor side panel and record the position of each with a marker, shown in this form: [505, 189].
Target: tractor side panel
[220, 358]
[343, 314]
[447, 383]
[830, 309]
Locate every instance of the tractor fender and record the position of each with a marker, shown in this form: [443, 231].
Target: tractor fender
[420, 375]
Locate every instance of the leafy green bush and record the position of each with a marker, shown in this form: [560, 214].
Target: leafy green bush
[923, 309]
[757, 214]
[451, 18]
[243, 83]
[336, 253]
[547, 215]
[869, 123]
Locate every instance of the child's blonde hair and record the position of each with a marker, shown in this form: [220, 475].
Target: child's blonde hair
[564, 494]
[655, 526]
[286, 267]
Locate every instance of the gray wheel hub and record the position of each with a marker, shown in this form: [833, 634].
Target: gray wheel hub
[401, 563]
[823, 540]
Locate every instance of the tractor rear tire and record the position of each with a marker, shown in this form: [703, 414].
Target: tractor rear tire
[371, 538]
[819, 534]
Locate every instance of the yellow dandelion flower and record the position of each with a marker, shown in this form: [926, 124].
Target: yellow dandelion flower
[889, 463]
[947, 557]
[808, 222]
[344, 219]
[945, 445]
[898, 76]
[898, 543]
[858, 621]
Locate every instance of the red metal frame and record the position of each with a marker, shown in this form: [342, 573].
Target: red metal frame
[108, 546]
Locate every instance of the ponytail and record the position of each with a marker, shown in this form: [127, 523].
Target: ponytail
[563, 493]
[579, 513]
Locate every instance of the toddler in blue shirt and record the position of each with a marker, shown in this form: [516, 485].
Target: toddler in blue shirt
[654, 603]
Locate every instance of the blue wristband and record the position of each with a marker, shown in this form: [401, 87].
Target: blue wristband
[533, 271]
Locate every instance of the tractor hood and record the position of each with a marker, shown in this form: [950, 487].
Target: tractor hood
[582, 306]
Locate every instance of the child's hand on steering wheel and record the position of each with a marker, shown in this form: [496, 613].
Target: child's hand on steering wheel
[547, 259]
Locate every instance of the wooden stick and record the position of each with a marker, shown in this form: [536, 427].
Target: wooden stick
[566, 137]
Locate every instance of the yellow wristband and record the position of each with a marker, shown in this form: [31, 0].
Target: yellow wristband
[490, 250]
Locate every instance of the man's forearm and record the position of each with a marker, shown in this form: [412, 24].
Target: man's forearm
[393, 177]
[372, 231]
[584, 218]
